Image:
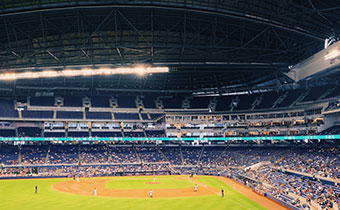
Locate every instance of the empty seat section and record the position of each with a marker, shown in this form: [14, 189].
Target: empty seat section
[106, 134]
[54, 134]
[223, 103]
[134, 134]
[156, 116]
[144, 116]
[268, 100]
[98, 115]
[246, 101]
[291, 97]
[149, 102]
[69, 115]
[334, 93]
[78, 134]
[36, 114]
[172, 102]
[332, 130]
[29, 131]
[200, 102]
[73, 101]
[7, 133]
[7, 108]
[42, 101]
[155, 133]
[100, 101]
[315, 93]
[126, 116]
[126, 101]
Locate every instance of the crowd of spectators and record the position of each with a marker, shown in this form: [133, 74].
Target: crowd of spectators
[150, 154]
[63, 154]
[296, 175]
[86, 170]
[94, 154]
[123, 155]
[324, 162]
[33, 155]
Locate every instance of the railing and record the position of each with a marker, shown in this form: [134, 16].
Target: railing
[205, 139]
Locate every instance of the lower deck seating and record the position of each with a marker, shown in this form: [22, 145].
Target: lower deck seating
[8, 155]
[150, 154]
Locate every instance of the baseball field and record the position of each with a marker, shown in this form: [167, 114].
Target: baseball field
[169, 192]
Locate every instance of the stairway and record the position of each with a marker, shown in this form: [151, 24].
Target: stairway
[47, 154]
[180, 151]
[199, 157]
[163, 155]
[138, 157]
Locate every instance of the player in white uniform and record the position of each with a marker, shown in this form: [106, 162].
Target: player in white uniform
[195, 189]
[94, 192]
[150, 193]
[154, 179]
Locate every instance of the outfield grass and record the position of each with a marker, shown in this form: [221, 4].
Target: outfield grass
[19, 194]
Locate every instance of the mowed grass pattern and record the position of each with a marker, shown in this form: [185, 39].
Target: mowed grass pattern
[19, 194]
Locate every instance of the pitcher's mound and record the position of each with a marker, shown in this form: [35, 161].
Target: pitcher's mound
[154, 183]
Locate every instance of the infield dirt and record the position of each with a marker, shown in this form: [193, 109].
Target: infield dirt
[87, 185]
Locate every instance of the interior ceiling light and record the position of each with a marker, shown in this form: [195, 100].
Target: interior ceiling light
[139, 70]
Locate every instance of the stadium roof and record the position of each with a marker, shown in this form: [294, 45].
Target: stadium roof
[205, 43]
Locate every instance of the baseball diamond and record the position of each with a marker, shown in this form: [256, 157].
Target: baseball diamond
[169, 104]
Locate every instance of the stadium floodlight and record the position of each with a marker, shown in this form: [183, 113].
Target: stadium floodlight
[332, 55]
[139, 70]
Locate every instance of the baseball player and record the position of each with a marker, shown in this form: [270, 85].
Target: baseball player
[195, 188]
[95, 192]
[150, 193]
